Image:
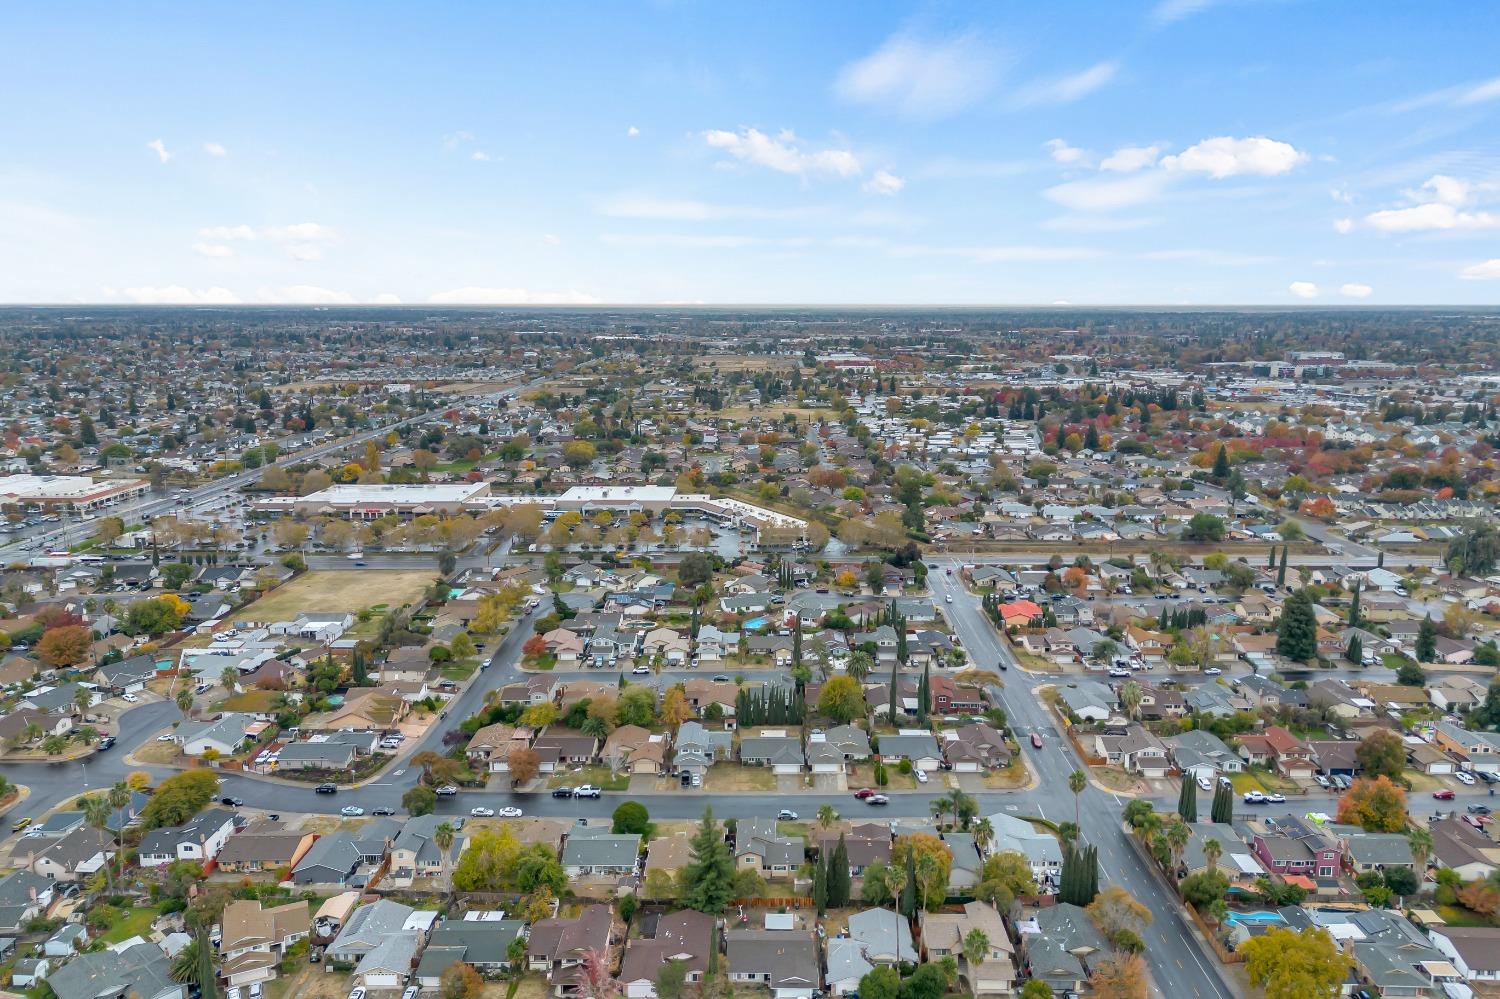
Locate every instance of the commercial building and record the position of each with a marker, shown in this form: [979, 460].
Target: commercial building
[74, 493]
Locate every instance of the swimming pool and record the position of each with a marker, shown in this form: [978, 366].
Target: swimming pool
[1256, 917]
[755, 623]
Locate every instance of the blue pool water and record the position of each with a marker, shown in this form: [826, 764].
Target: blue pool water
[755, 623]
[1256, 917]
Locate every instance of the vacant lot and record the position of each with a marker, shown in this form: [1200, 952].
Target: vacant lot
[341, 591]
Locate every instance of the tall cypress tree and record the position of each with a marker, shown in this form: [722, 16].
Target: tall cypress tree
[820, 886]
[895, 691]
[1281, 572]
[1354, 616]
[838, 875]
[1426, 640]
[1187, 799]
[1223, 806]
[924, 694]
[909, 890]
[1297, 631]
[1355, 651]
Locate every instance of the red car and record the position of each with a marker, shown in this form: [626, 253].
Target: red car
[864, 792]
[1443, 795]
[1036, 741]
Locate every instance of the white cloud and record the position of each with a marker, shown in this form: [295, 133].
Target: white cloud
[176, 294]
[215, 149]
[453, 140]
[1169, 11]
[386, 298]
[1002, 254]
[213, 250]
[1066, 89]
[884, 183]
[304, 294]
[1487, 271]
[509, 296]
[1097, 223]
[304, 251]
[1341, 196]
[1303, 289]
[480, 156]
[1128, 159]
[1107, 194]
[1463, 95]
[725, 241]
[227, 232]
[1226, 156]
[302, 232]
[1437, 207]
[1355, 290]
[160, 149]
[921, 79]
[782, 153]
[1063, 153]
[632, 131]
[634, 206]
[1343, 226]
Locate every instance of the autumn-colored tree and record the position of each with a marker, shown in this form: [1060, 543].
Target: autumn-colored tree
[1115, 910]
[1320, 507]
[66, 646]
[539, 715]
[1374, 804]
[460, 981]
[1382, 753]
[1481, 897]
[535, 646]
[1120, 976]
[675, 708]
[933, 862]
[1295, 964]
[842, 699]
[525, 764]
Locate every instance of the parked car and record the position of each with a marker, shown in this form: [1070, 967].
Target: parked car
[481, 812]
[921, 775]
[383, 810]
[586, 791]
[877, 799]
[232, 801]
[327, 789]
[1479, 809]
[864, 792]
[352, 811]
[1254, 798]
[510, 812]
[108, 742]
[1276, 799]
[1212, 671]
[562, 792]
[1464, 777]
[1036, 740]
[721, 678]
[447, 790]
[1205, 783]
[786, 815]
[1446, 794]
[641, 671]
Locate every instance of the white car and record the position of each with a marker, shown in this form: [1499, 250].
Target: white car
[586, 791]
[1276, 799]
[131, 698]
[641, 671]
[164, 738]
[1254, 798]
[921, 776]
[480, 812]
[948, 598]
[1212, 671]
[1205, 783]
[1464, 777]
[351, 811]
[510, 812]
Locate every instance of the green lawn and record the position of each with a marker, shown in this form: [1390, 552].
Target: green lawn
[1457, 915]
[599, 776]
[460, 670]
[134, 923]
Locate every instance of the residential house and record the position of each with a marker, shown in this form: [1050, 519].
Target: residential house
[1040, 848]
[864, 844]
[943, 936]
[558, 946]
[415, 853]
[1277, 748]
[141, 971]
[263, 846]
[885, 936]
[483, 944]
[758, 846]
[916, 745]
[591, 852]
[333, 859]
[1135, 749]
[222, 736]
[24, 895]
[1064, 948]
[975, 747]
[370, 924]
[255, 939]
[1200, 753]
[72, 857]
[778, 749]
[684, 936]
[632, 749]
[200, 838]
[1473, 950]
[786, 961]
[1291, 845]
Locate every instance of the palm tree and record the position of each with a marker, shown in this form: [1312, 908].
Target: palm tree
[939, 808]
[984, 833]
[1420, 841]
[1212, 851]
[1177, 840]
[83, 699]
[31, 733]
[230, 678]
[442, 837]
[962, 806]
[1130, 697]
[1077, 781]
[976, 945]
[185, 702]
[96, 813]
[119, 797]
[826, 815]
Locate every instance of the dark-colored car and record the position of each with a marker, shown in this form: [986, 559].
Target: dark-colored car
[232, 801]
[562, 792]
[1036, 740]
[383, 810]
[1479, 809]
[327, 789]
[108, 742]
[877, 799]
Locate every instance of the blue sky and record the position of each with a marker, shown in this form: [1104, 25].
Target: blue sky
[1185, 151]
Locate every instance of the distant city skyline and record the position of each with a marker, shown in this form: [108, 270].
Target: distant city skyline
[1181, 152]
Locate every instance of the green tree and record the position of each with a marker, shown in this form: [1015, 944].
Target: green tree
[1426, 640]
[1297, 630]
[709, 877]
[179, 798]
[419, 800]
[1077, 782]
[1036, 988]
[1187, 799]
[880, 983]
[631, 818]
[1382, 752]
[842, 699]
[670, 978]
[1204, 527]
